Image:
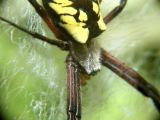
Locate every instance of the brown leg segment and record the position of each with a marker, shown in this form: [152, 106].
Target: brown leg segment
[115, 12]
[44, 15]
[48, 20]
[132, 77]
[61, 44]
[73, 90]
[78, 94]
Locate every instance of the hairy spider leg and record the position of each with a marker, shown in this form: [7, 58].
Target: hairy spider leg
[44, 15]
[73, 90]
[125, 72]
[115, 12]
[61, 44]
[131, 76]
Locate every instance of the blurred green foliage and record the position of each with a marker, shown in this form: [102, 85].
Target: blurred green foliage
[32, 73]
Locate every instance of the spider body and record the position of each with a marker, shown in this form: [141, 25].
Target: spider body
[79, 22]
[76, 23]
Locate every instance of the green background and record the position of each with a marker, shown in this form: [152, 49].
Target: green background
[33, 75]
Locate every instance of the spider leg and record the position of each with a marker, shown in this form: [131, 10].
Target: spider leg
[73, 90]
[43, 13]
[48, 20]
[132, 77]
[58, 43]
[115, 12]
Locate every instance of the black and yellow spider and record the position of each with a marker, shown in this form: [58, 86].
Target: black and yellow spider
[75, 23]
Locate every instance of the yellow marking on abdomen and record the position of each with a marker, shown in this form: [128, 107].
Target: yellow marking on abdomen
[82, 16]
[95, 7]
[101, 24]
[63, 2]
[77, 31]
[60, 9]
[69, 23]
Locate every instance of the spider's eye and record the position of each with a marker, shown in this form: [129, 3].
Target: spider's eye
[81, 19]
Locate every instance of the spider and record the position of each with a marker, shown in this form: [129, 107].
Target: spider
[75, 24]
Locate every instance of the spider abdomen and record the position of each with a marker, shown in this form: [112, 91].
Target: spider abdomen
[79, 19]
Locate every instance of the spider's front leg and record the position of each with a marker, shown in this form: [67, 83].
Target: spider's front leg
[73, 90]
[132, 77]
[115, 12]
[50, 22]
[60, 44]
[43, 13]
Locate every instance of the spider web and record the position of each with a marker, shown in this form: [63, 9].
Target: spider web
[32, 73]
